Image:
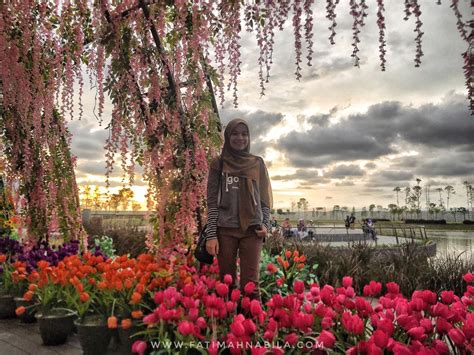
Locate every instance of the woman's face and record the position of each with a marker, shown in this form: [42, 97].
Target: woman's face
[239, 137]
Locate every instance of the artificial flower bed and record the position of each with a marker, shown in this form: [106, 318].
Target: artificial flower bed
[179, 306]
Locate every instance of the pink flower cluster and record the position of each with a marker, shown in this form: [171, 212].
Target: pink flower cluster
[335, 317]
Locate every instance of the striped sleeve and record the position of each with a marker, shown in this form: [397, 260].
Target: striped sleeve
[212, 203]
[212, 214]
[266, 217]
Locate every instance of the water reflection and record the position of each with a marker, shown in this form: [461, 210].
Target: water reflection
[453, 242]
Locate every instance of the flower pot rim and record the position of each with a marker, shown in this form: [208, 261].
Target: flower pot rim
[96, 320]
[65, 313]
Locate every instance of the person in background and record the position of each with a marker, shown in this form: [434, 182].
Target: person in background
[239, 212]
[347, 222]
[352, 220]
[286, 227]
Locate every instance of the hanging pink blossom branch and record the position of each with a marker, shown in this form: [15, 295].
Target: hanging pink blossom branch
[413, 8]
[297, 11]
[331, 16]
[308, 29]
[381, 25]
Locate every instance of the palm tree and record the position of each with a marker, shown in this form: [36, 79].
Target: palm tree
[468, 187]
[449, 191]
[407, 195]
[397, 190]
[440, 189]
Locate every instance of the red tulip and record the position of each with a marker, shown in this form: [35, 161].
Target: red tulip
[417, 333]
[249, 326]
[255, 308]
[139, 347]
[352, 323]
[327, 322]
[291, 339]
[469, 278]
[227, 279]
[272, 268]
[237, 328]
[447, 297]
[392, 287]
[245, 303]
[440, 346]
[443, 326]
[235, 295]
[347, 281]
[213, 348]
[386, 325]
[426, 323]
[327, 339]
[457, 336]
[222, 289]
[201, 323]
[298, 286]
[249, 288]
[380, 338]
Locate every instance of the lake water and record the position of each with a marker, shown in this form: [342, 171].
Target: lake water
[454, 242]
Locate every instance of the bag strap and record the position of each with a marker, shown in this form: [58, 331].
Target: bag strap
[219, 183]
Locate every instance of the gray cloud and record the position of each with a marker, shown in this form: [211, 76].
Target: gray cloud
[342, 171]
[344, 183]
[310, 177]
[260, 122]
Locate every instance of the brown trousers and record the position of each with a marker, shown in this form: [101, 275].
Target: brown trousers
[248, 246]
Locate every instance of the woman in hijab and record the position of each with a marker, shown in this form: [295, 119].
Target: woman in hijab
[238, 207]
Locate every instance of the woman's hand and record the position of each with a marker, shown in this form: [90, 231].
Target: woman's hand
[262, 231]
[212, 247]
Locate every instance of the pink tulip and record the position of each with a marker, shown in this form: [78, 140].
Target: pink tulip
[380, 338]
[158, 297]
[201, 323]
[188, 290]
[249, 326]
[255, 308]
[272, 268]
[417, 333]
[150, 319]
[237, 328]
[228, 279]
[222, 289]
[352, 323]
[193, 314]
[440, 346]
[386, 326]
[427, 325]
[213, 348]
[245, 303]
[327, 339]
[447, 297]
[291, 338]
[469, 278]
[393, 288]
[298, 286]
[235, 295]
[443, 326]
[139, 346]
[185, 328]
[347, 281]
[457, 336]
[249, 288]
[327, 323]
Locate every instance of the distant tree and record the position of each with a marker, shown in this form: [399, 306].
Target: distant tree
[371, 210]
[379, 210]
[468, 187]
[407, 195]
[363, 212]
[440, 190]
[449, 191]
[293, 204]
[393, 208]
[454, 212]
[136, 206]
[397, 190]
[97, 199]
[463, 211]
[335, 211]
[417, 191]
[125, 195]
[279, 211]
[86, 197]
[302, 204]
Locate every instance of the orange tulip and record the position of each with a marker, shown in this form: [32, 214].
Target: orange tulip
[137, 314]
[126, 323]
[3, 258]
[112, 322]
[28, 296]
[84, 297]
[136, 297]
[20, 310]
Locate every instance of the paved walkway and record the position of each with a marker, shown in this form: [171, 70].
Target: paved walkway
[19, 339]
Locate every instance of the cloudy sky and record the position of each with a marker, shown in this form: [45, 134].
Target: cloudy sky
[345, 135]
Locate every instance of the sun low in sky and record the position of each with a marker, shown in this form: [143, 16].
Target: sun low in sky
[344, 135]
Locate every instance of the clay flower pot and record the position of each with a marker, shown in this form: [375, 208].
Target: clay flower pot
[7, 307]
[94, 335]
[56, 325]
